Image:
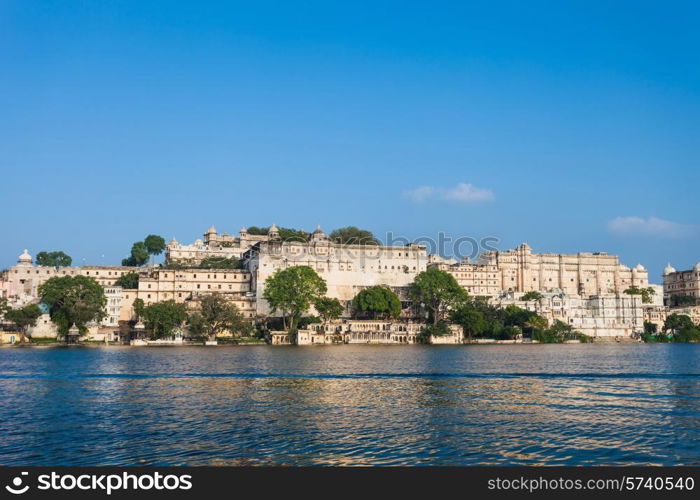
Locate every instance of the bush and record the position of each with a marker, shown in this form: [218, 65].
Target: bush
[438, 330]
[545, 337]
[687, 335]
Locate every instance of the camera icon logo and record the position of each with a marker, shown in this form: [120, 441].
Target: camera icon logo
[17, 483]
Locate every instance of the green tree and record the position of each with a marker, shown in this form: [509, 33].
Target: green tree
[680, 300]
[438, 329]
[562, 331]
[220, 263]
[517, 316]
[291, 291]
[3, 306]
[162, 318]
[687, 335]
[646, 293]
[650, 328]
[139, 308]
[53, 259]
[73, 300]
[470, 319]
[139, 255]
[128, 280]
[509, 332]
[258, 231]
[533, 324]
[377, 301]
[532, 296]
[24, 318]
[676, 322]
[286, 233]
[352, 235]
[558, 333]
[217, 315]
[328, 309]
[289, 234]
[438, 291]
[154, 244]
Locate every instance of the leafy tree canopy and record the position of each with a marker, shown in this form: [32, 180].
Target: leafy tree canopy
[24, 318]
[438, 290]
[678, 322]
[328, 308]
[679, 300]
[128, 280]
[470, 319]
[154, 244]
[162, 318]
[217, 315]
[139, 255]
[377, 301]
[258, 231]
[73, 300]
[650, 328]
[286, 233]
[532, 296]
[352, 235]
[139, 307]
[646, 293]
[53, 259]
[220, 263]
[439, 329]
[292, 291]
[559, 332]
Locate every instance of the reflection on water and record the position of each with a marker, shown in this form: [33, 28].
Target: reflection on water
[352, 405]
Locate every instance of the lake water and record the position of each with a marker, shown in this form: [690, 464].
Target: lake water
[351, 405]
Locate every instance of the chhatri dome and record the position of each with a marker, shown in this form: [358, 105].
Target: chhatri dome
[669, 269]
[697, 267]
[212, 229]
[25, 259]
[318, 234]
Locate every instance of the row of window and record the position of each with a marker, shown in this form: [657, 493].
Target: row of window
[199, 286]
[243, 276]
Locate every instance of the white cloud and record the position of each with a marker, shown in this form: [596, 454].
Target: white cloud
[467, 192]
[462, 192]
[420, 193]
[652, 226]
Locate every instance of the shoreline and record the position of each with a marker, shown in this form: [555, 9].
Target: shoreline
[496, 343]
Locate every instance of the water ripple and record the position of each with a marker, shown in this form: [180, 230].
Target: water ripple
[508, 405]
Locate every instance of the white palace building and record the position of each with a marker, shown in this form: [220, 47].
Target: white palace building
[583, 289]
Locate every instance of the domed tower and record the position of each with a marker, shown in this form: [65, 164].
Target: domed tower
[274, 232]
[669, 269]
[210, 235]
[319, 235]
[25, 259]
[639, 275]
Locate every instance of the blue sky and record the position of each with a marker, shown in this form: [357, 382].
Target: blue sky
[573, 126]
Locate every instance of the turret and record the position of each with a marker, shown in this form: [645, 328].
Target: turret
[25, 259]
[319, 235]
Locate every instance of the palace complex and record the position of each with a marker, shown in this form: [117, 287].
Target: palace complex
[585, 290]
